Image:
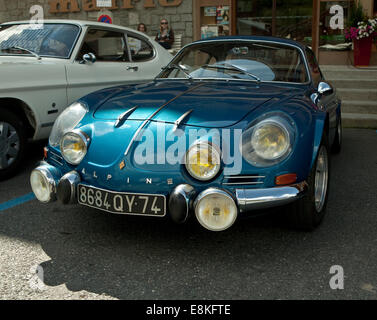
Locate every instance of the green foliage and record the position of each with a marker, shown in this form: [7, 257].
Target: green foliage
[356, 15]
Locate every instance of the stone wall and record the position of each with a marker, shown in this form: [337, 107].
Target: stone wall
[180, 17]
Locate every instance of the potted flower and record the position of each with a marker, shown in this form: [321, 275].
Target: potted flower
[361, 31]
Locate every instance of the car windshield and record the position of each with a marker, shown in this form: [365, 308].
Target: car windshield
[245, 60]
[49, 40]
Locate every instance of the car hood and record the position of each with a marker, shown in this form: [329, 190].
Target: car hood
[210, 104]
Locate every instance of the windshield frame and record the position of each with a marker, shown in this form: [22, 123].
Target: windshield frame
[68, 57]
[297, 47]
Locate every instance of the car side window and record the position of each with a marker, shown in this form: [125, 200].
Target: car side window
[107, 46]
[314, 67]
[140, 49]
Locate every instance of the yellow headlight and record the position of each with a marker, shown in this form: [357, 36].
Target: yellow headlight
[270, 140]
[203, 161]
[74, 147]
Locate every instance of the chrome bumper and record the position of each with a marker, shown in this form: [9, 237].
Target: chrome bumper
[254, 199]
[247, 199]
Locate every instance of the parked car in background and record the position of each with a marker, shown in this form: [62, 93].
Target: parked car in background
[44, 68]
[230, 126]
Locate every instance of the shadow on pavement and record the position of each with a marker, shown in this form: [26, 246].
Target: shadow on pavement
[146, 258]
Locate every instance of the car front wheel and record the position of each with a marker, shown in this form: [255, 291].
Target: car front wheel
[308, 212]
[12, 144]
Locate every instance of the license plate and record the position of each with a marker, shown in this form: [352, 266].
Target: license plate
[122, 202]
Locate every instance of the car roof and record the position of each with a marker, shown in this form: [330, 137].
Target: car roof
[81, 23]
[255, 38]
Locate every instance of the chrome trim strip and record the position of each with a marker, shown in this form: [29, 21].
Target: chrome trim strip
[56, 157]
[242, 183]
[137, 133]
[244, 177]
[123, 117]
[180, 120]
[254, 199]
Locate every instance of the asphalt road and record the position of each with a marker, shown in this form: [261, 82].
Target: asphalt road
[88, 254]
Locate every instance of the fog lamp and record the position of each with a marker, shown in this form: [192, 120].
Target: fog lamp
[215, 209]
[43, 185]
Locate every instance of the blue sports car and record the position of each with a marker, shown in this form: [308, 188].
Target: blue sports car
[230, 126]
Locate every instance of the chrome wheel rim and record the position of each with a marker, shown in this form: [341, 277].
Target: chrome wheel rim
[9, 144]
[321, 179]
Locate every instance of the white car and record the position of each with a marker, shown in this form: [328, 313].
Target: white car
[45, 68]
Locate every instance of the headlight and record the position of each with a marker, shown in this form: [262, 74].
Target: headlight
[268, 142]
[203, 161]
[74, 146]
[43, 184]
[215, 209]
[67, 121]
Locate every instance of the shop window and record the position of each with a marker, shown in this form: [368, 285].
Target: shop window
[215, 21]
[254, 17]
[330, 39]
[294, 20]
[283, 18]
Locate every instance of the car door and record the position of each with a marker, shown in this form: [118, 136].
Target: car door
[145, 57]
[113, 65]
[329, 101]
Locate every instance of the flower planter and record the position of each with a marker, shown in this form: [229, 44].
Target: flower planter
[362, 50]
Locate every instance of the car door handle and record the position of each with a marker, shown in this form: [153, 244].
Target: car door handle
[132, 68]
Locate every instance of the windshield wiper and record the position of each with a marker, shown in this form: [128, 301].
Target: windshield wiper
[23, 49]
[228, 66]
[178, 67]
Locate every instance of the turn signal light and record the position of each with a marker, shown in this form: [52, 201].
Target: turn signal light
[286, 179]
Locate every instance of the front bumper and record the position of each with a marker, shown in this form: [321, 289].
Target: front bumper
[255, 199]
[182, 199]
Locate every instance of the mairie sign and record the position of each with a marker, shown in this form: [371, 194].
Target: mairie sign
[66, 6]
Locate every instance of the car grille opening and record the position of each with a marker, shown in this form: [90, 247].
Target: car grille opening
[244, 180]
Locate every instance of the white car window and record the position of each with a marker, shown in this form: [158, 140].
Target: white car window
[140, 49]
[107, 46]
[52, 40]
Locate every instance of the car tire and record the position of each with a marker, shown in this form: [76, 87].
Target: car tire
[308, 212]
[12, 144]
[337, 145]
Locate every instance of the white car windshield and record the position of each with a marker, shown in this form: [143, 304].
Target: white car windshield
[46, 40]
[245, 60]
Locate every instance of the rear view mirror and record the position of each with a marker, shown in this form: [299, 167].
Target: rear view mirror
[324, 88]
[88, 58]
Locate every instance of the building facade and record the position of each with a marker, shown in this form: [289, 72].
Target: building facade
[307, 21]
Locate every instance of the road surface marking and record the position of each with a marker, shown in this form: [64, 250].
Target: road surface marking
[16, 202]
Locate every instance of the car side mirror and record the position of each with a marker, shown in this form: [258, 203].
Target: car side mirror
[324, 89]
[88, 58]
